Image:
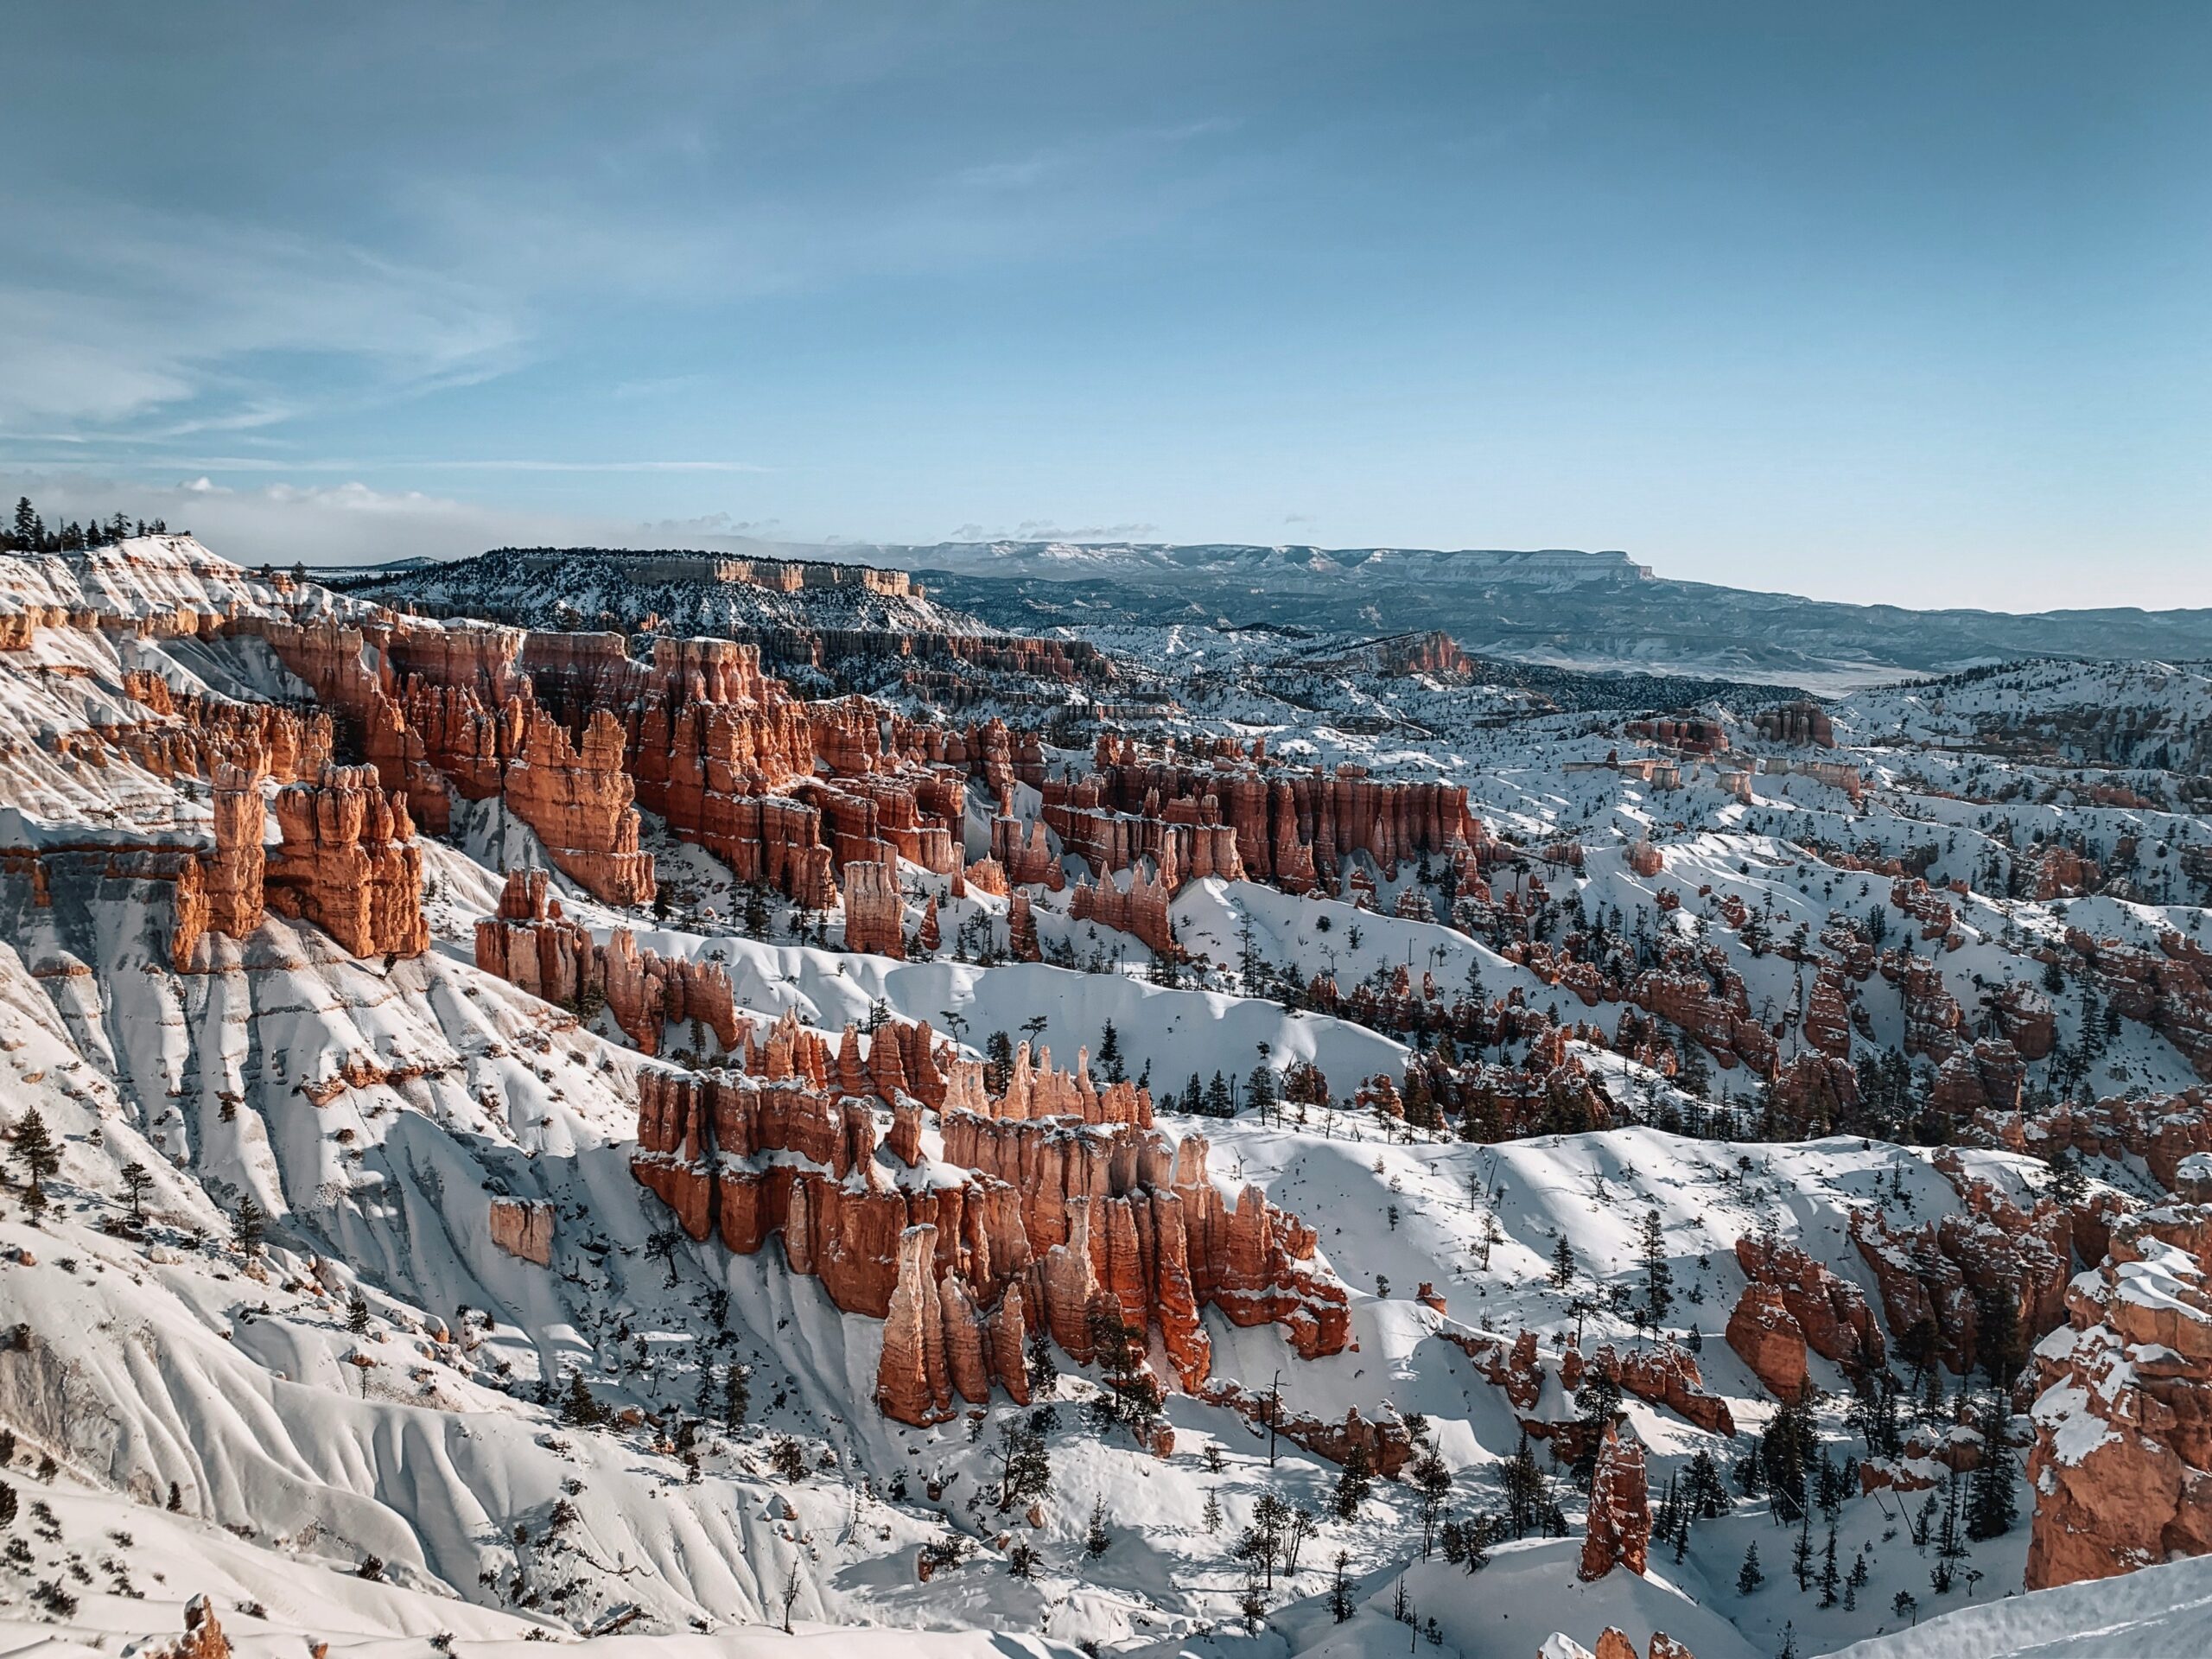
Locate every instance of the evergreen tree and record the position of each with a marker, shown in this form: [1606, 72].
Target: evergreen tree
[737, 1395]
[1992, 1506]
[998, 1062]
[1432, 1482]
[1748, 1576]
[1218, 1102]
[357, 1314]
[1111, 1064]
[1024, 1470]
[1658, 1275]
[1096, 1540]
[1354, 1482]
[1598, 1401]
[1260, 1091]
[2067, 1184]
[35, 1151]
[580, 1409]
[1528, 1493]
[1210, 1516]
[1562, 1273]
[135, 1181]
[247, 1224]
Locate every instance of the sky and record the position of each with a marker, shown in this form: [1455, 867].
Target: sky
[1902, 302]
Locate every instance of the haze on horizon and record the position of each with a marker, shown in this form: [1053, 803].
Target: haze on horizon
[1884, 303]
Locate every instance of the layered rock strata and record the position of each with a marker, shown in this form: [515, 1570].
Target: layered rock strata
[1053, 1205]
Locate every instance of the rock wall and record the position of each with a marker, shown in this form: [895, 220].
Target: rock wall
[1140, 908]
[531, 946]
[349, 863]
[1619, 1533]
[1290, 825]
[2122, 1459]
[875, 916]
[1053, 1201]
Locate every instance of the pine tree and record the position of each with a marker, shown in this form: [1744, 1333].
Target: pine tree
[1340, 1602]
[1354, 1482]
[2068, 1185]
[35, 1151]
[737, 1395]
[1260, 1091]
[1096, 1540]
[135, 1181]
[1748, 1576]
[580, 1409]
[247, 1224]
[1432, 1482]
[1211, 1514]
[1024, 1470]
[1658, 1274]
[1829, 1578]
[1218, 1101]
[1562, 1273]
[1992, 1506]
[1111, 1064]
[1527, 1491]
[357, 1314]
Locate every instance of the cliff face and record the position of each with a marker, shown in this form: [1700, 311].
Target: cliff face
[530, 944]
[1288, 825]
[1056, 1202]
[2122, 1459]
[349, 864]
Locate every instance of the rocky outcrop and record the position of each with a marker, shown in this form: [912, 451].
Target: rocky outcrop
[523, 1227]
[1712, 1005]
[1055, 1199]
[531, 946]
[2161, 1129]
[203, 1638]
[1140, 908]
[1668, 1376]
[2169, 989]
[1021, 941]
[1290, 825]
[2122, 1460]
[1933, 1017]
[349, 864]
[1831, 1314]
[1827, 1024]
[875, 916]
[1025, 854]
[1767, 1339]
[1619, 1533]
[1937, 1276]
[1799, 722]
[578, 799]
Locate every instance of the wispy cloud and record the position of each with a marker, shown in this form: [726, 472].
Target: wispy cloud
[120, 320]
[392, 464]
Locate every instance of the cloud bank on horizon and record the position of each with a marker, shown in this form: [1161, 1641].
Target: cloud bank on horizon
[1884, 304]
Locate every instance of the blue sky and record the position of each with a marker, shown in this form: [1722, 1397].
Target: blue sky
[1907, 302]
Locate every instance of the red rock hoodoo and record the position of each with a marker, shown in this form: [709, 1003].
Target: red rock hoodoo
[1054, 1200]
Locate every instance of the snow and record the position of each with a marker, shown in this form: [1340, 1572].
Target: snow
[299, 1446]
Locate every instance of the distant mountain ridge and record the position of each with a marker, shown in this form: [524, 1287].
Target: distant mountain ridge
[1553, 605]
